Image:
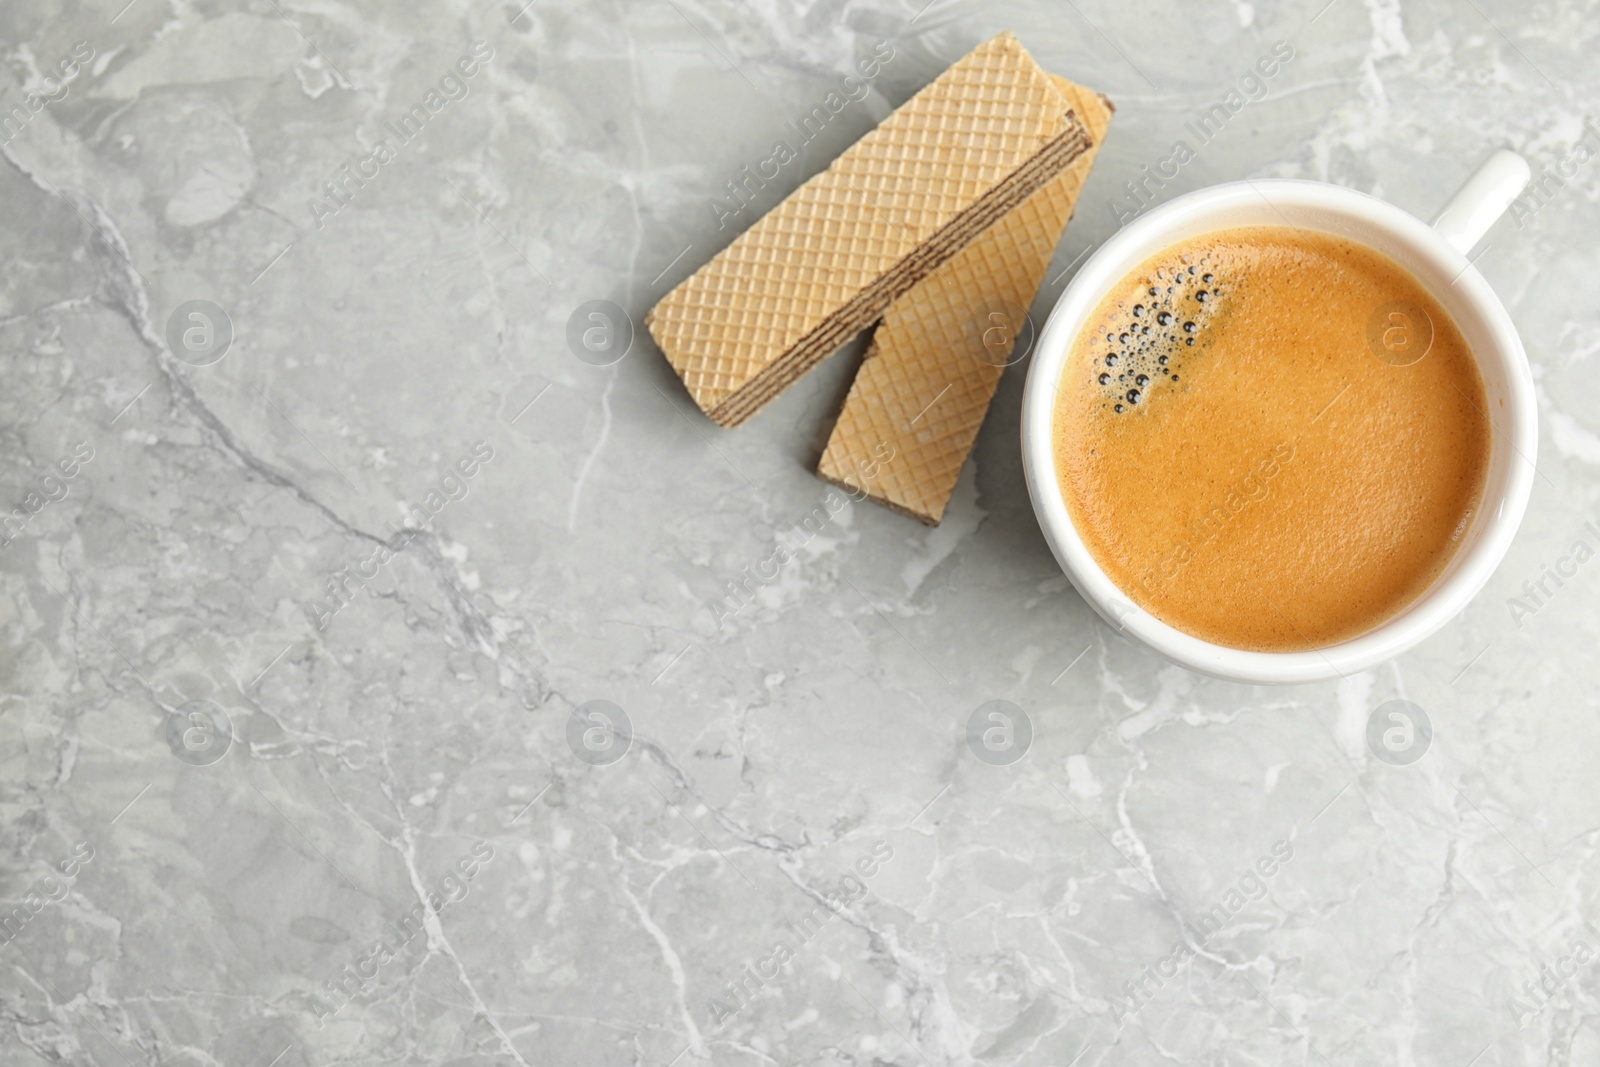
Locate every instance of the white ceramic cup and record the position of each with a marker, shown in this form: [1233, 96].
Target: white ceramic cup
[1437, 256]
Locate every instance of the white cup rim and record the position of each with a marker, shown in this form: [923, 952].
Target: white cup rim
[1514, 428]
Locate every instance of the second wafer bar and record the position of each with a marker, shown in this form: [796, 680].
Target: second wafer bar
[917, 402]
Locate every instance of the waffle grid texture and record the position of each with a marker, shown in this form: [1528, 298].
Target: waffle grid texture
[869, 305]
[812, 271]
[927, 380]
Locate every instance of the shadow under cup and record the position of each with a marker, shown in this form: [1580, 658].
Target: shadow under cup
[1442, 270]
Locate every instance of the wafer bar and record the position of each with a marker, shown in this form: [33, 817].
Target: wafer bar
[826, 262]
[915, 407]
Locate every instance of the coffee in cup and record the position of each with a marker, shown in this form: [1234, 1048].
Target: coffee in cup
[1271, 437]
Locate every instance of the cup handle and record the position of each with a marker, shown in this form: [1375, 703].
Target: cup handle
[1483, 198]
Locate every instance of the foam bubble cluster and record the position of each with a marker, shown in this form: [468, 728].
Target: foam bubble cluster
[1143, 341]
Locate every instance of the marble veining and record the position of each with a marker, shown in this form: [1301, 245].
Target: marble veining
[372, 691]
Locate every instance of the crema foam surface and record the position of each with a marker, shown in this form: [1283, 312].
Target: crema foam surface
[1271, 438]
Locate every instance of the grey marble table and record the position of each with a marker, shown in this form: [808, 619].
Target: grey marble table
[319, 532]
